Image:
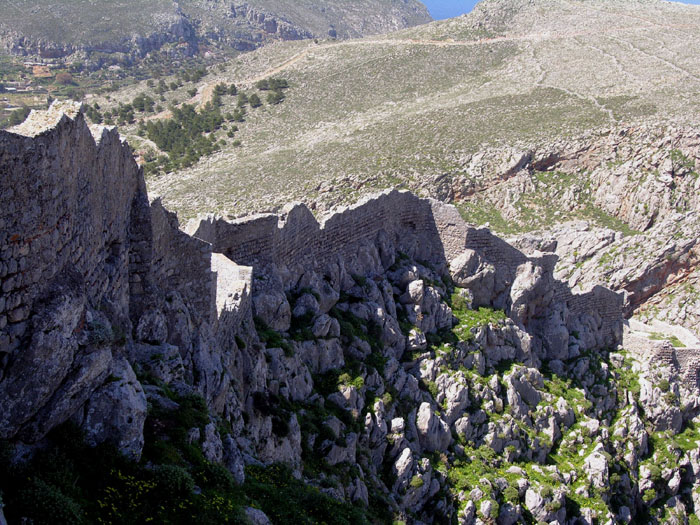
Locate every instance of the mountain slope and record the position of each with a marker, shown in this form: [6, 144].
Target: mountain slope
[52, 28]
[417, 103]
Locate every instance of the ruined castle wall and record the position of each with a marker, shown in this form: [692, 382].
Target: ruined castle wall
[65, 202]
[424, 229]
[71, 200]
[182, 263]
[601, 303]
[245, 241]
[296, 237]
[689, 361]
[662, 353]
[403, 217]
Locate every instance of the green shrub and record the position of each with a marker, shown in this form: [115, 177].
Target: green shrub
[287, 500]
[417, 481]
[173, 479]
[255, 101]
[649, 495]
[48, 505]
[275, 97]
[17, 116]
[511, 495]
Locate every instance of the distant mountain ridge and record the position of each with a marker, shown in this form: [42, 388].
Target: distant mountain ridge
[128, 30]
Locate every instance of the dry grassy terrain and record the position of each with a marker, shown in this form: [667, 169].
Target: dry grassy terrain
[381, 111]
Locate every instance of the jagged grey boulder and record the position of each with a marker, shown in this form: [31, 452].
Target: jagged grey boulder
[307, 304]
[403, 468]
[339, 454]
[163, 361]
[433, 432]
[233, 459]
[272, 307]
[212, 447]
[35, 374]
[152, 327]
[116, 412]
[416, 340]
[257, 517]
[323, 325]
[596, 466]
[453, 393]
[322, 355]
[469, 271]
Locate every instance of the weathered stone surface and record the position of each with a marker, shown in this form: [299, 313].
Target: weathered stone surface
[164, 361]
[37, 371]
[152, 328]
[322, 355]
[212, 447]
[257, 517]
[116, 412]
[233, 459]
[433, 432]
[596, 466]
[272, 307]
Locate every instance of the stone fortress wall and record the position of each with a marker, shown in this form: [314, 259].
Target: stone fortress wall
[74, 202]
[685, 360]
[424, 229]
[601, 303]
[66, 204]
[74, 205]
[295, 237]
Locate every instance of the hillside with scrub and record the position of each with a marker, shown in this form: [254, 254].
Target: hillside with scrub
[416, 105]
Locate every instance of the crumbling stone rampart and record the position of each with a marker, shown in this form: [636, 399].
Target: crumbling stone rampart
[295, 237]
[424, 229]
[75, 216]
[685, 360]
[67, 198]
[87, 268]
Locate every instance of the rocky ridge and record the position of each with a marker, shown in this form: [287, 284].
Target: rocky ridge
[390, 355]
[117, 34]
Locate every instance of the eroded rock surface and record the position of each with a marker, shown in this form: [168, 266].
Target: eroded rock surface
[388, 351]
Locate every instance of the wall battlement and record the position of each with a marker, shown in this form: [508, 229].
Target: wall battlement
[418, 227]
[66, 203]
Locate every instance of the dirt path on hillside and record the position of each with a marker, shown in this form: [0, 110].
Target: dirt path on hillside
[449, 43]
[207, 91]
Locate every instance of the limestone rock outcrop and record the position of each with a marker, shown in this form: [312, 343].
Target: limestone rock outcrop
[389, 350]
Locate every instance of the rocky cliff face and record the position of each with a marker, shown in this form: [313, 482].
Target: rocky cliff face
[109, 33]
[390, 355]
[619, 207]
